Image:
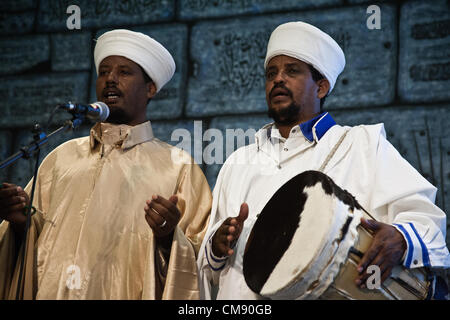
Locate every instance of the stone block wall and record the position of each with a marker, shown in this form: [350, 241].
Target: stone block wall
[398, 74]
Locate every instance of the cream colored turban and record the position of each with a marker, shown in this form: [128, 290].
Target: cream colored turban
[156, 61]
[309, 44]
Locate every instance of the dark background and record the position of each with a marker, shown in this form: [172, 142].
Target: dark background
[398, 75]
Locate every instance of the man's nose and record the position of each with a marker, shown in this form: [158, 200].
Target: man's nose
[112, 77]
[279, 78]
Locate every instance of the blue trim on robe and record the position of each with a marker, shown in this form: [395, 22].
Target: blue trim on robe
[321, 125]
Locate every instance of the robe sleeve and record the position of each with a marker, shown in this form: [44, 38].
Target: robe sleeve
[194, 203]
[210, 266]
[407, 201]
[7, 258]
[10, 261]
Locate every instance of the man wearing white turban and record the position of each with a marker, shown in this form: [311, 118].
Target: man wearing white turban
[116, 217]
[301, 67]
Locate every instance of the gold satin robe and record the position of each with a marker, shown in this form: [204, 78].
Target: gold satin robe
[89, 238]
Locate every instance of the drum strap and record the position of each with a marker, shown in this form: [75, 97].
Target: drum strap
[331, 154]
[333, 151]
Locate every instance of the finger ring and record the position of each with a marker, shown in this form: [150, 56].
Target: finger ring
[163, 224]
[25, 210]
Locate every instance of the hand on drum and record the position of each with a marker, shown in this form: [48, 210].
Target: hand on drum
[386, 250]
[228, 233]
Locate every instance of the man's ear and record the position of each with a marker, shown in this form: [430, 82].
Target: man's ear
[324, 87]
[151, 89]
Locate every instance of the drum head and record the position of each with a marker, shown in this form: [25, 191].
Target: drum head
[275, 238]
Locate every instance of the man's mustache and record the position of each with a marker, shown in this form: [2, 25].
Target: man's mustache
[280, 85]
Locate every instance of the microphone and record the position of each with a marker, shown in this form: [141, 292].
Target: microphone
[97, 111]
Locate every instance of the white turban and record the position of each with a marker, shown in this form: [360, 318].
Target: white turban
[309, 44]
[156, 61]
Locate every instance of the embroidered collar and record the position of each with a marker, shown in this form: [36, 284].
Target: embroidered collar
[123, 135]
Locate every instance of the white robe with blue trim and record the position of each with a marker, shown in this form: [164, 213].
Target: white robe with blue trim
[365, 164]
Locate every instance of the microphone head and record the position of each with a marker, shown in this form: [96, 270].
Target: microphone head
[103, 110]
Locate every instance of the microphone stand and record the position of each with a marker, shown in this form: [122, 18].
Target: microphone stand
[40, 139]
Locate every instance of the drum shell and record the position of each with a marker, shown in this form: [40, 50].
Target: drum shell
[403, 283]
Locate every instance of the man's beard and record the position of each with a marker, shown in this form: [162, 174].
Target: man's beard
[118, 116]
[285, 116]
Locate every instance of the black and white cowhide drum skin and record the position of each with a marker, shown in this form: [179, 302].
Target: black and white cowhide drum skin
[307, 242]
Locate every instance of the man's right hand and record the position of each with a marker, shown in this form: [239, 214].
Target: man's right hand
[228, 233]
[13, 200]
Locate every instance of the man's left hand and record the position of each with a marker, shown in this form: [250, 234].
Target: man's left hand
[386, 250]
[162, 215]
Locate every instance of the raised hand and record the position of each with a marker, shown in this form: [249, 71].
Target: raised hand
[228, 233]
[13, 201]
[162, 215]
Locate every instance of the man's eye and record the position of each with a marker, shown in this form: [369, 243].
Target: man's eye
[293, 70]
[126, 72]
[270, 75]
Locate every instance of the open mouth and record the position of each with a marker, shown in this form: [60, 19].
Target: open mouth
[111, 96]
